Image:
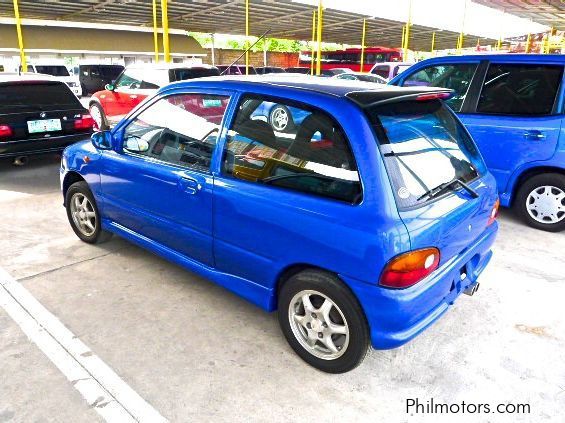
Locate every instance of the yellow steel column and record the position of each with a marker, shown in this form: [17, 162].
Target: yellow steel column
[433, 41]
[363, 45]
[165, 21]
[246, 37]
[528, 42]
[499, 44]
[155, 34]
[403, 33]
[312, 52]
[20, 36]
[407, 32]
[460, 39]
[320, 22]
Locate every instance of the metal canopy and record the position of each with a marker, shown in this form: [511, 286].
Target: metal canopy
[285, 19]
[545, 12]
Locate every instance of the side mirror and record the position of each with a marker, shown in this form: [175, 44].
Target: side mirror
[110, 87]
[136, 145]
[102, 140]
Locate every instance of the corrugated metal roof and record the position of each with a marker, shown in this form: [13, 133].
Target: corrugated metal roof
[284, 18]
[545, 12]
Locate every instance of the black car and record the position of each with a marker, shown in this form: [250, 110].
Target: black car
[264, 70]
[39, 114]
[94, 78]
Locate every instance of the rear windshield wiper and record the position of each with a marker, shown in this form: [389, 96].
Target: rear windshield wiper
[451, 185]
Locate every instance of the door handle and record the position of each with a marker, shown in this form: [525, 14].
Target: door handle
[189, 185]
[534, 135]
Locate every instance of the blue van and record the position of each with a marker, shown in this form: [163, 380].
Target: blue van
[361, 225]
[513, 105]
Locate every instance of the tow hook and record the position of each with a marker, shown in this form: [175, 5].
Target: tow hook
[471, 289]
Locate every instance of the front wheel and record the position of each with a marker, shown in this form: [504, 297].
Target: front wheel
[323, 321]
[83, 214]
[541, 202]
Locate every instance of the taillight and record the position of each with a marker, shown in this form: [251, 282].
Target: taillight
[5, 131]
[85, 122]
[434, 96]
[409, 268]
[494, 212]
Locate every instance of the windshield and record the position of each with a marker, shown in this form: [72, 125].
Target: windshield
[55, 70]
[424, 146]
[36, 96]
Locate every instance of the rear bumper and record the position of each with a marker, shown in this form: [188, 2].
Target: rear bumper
[39, 146]
[397, 316]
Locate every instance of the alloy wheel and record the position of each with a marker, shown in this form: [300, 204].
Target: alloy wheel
[546, 204]
[83, 214]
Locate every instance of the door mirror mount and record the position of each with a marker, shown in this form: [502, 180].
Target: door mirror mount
[102, 140]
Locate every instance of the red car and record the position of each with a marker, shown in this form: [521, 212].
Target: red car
[135, 84]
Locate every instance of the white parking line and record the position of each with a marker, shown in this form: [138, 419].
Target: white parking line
[103, 389]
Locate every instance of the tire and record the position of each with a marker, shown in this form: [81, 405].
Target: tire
[278, 121]
[540, 202]
[347, 330]
[97, 113]
[79, 194]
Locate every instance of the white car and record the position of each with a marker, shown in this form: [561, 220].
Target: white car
[59, 72]
[389, 70]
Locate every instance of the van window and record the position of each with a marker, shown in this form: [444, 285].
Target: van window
[423, 146]
[381, 71]
[180, 129]
[54, 70]
[456, 77]
[520, 89]
[312, 155]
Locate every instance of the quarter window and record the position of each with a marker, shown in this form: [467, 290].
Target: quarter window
[455, 77]
[291, 146]
[181, 130]
[520, 89]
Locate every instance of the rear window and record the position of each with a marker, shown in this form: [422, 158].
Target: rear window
[36, 96]
[423, 146]
[520, 89]
[55, 70]
[191, 73]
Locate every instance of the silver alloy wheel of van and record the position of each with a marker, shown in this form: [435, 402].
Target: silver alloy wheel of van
[279, 118]
[546, 204]
[84, 216]
[318, 324]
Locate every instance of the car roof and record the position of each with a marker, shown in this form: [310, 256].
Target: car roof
[500, 57]
[25, 76]
[167, 66]
[354, 89]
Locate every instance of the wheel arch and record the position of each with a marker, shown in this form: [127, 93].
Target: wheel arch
[530, 173]
[70, 178]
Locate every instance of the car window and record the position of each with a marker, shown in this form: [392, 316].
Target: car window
[143, 79]
[54, 70]
[311, 155]
[423, 145]
[456, 77]
[381, 71]
[180, 129]
[520, 89]
[181, 74]
[40, 95]
[111, 72]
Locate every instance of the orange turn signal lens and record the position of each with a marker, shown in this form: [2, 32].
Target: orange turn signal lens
[494, 212]
[409, 268]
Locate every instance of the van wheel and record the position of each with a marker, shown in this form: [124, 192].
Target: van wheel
[541, 202]
[99, 117]
[83, 214]
[323, 322]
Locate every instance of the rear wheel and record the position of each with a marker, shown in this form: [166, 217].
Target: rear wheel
[323, 322]
[83, 214]
[541, 202]
[99, 117]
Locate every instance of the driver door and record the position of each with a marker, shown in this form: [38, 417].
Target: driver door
[160, 186]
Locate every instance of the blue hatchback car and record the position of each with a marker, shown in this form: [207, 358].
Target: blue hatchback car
[513, 105]
[361, 226]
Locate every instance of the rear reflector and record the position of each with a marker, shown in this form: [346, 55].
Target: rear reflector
[5, 131]
[434, 96]
[494, 212]
[409, 268]
[85, 122]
